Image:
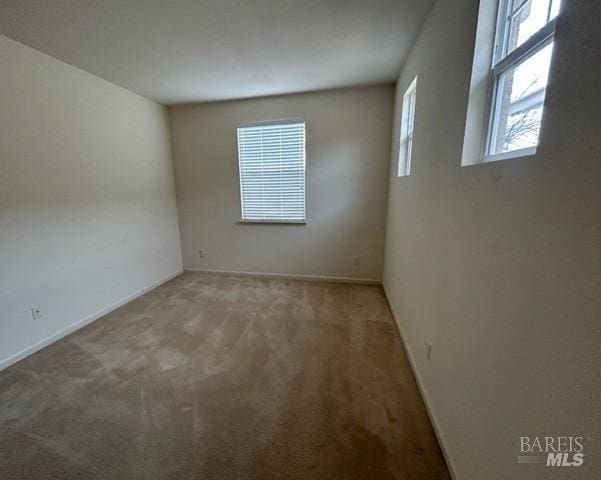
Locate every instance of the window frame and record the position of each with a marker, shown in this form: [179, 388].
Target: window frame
[407, 130]
[283, 221]
[502, 62]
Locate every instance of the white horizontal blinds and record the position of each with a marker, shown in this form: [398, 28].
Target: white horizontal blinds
[272, 171]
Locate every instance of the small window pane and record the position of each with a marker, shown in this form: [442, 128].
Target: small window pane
[411, 114]
[407, 128]
[555, 6]
[527, 18]
[519, 103]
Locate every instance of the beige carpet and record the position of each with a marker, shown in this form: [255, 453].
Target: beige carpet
[223, 378]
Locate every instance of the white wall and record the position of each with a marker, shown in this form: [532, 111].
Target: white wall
[347, 134]
[499, 265]
[87, 204]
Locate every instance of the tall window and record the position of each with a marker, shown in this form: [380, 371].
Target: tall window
[271, 160]
[521, 60]
[407, 124]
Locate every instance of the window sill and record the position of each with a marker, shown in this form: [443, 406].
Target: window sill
[524, 152]
[273, 222]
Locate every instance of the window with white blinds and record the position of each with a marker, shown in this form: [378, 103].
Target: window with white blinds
[272, 171]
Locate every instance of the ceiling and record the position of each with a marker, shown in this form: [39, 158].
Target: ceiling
[183, 51]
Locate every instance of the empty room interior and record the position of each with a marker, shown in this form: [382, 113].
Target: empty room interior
[300, 239]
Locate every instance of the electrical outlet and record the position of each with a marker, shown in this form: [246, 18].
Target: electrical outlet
[36, 313]
[201, 253]
[355, 260]
[428, 349]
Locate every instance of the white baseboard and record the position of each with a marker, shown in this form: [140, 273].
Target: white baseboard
[17, 357]
[291, 276]
[422, 391]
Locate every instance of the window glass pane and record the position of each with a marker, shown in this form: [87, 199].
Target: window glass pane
[519, 103]
[555, 6]
[411, 114]
[407, 127]
[528, 18]
[409, 150]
